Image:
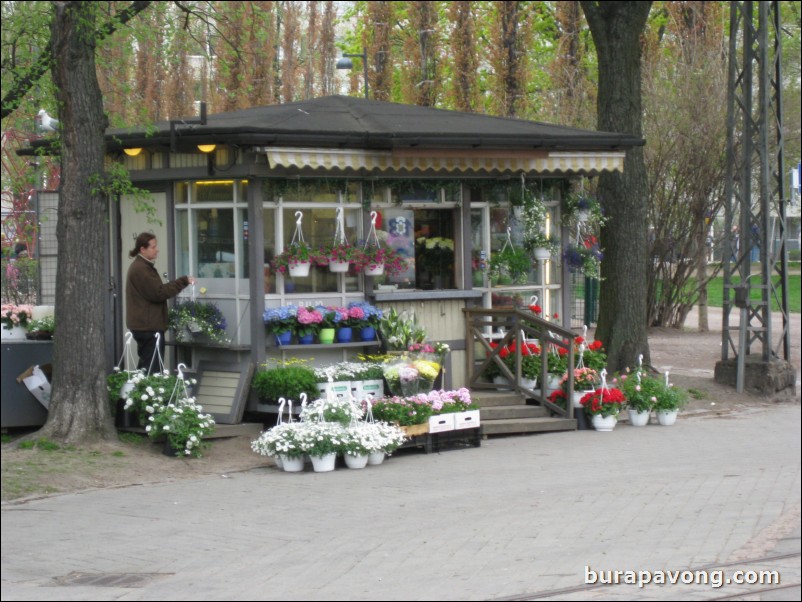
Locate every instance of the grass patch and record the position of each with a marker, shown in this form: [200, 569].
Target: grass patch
[715, 292]
[698, 393]
[44, 444]
[133, 438]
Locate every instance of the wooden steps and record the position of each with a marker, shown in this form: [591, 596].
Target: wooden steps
[507, 413]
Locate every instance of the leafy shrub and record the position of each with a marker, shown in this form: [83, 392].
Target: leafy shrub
[285, 381]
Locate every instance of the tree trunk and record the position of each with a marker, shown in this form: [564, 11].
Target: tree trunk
[701, 274]
[616, 28]
[79, 409]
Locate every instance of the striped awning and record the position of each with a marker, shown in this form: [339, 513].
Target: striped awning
[565, 162]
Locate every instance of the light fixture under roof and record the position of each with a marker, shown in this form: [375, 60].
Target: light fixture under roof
[132, 152]
[207, 148]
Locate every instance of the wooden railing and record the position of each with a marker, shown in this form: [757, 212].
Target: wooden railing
[507, 326]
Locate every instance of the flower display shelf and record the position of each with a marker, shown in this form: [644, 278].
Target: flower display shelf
[436, 442]
[319, 346]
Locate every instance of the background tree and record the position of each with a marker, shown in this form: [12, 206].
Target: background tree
[685, 154]
[617, 28]
[419, 71]
[464, 90]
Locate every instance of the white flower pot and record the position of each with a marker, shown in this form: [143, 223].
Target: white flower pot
[529, 383]
[300, 270]
[502, 381]
[542, 254]
[552, 382]
[582, 216]
[604, 423]
[376, 458]
[17, 333]
[577, 396]
[356, 462]
[292, 464]
[279, 462]
[323, 463]
[376, 271]
[126, 389]
[339, 266]
[637, 418]
[667, 418]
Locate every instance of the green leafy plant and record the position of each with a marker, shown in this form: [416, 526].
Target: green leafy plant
[399, 331]
[43, 328]
[576, 206]
[670, 398]
[285, 381]
[191, 318]
[513, 262]
[641, 393]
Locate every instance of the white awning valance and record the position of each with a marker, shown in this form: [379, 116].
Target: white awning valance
[439, 161]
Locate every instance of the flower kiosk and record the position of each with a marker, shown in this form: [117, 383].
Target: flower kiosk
[338, 201]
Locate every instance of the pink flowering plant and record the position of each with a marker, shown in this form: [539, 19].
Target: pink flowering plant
[354, 317]
[293, 255]
[16, 315]
[417, 409]
[584, 379]
[372, 257]
[337, 252]
[308, 321]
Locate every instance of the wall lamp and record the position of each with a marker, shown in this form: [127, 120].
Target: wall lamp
[132, 152]
[346, 63]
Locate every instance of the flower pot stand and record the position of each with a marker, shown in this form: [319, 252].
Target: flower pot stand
[582, 421]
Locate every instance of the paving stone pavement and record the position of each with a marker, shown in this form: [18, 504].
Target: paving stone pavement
[519, 517]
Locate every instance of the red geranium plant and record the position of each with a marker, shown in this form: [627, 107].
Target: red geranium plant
[603, 402]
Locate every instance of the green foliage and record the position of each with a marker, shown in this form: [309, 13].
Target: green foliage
[43, 326]
[641, 394]
[399, 331]
[116, 183]
[42, 443]
[287, 382]
[697, 393]
[670, 398]
[511, 262]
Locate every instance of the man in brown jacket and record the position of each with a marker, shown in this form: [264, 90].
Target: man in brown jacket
[146, 299]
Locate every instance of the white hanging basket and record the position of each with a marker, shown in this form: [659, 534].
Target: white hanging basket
[300, 270]
[542, 254]
[338, 267]
[377, 270]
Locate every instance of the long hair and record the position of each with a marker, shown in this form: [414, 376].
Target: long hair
[143, 240]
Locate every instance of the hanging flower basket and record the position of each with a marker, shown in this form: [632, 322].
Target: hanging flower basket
[300, 269]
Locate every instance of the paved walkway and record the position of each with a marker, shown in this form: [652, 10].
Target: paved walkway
[518, 517]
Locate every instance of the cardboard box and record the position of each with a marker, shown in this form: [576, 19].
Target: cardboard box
[441, 423]
[37, 380]
[466, 420]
